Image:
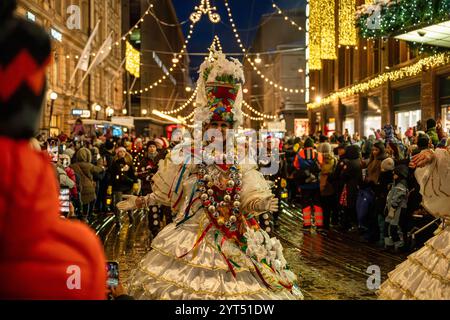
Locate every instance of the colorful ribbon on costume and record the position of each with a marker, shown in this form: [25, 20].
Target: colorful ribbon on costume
[199, 240]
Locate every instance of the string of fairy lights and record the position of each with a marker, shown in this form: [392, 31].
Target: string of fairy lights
[122, 38]
[259, 114]
[286, 17]
[253, 64]
[394, 75]
[175, 61]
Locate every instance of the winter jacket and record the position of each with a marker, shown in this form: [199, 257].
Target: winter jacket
[351, 174]
[64, 180]
[398, 200]
[432, 133]
[374, 167]
[86, 171]
[42, 255]
[71, 174]
[327, 169]
[123, 176]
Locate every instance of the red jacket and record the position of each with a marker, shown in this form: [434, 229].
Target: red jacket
[42, 255]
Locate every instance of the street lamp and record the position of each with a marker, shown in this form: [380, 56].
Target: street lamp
[258, 59]
[109, 111]
[53, 97]
[124, 112]
[144, 112]
[245, 90]
[97, 109]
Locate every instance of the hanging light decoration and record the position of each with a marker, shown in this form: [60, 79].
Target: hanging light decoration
[393, 75]
[328, 30]
[205, 9]
[347, 25]
[133, 60]
[315, 23]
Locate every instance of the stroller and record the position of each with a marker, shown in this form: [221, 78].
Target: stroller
[422, 227]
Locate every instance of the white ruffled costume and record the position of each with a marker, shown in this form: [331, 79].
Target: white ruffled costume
[191, 259]
[425, 275]
[204, 273]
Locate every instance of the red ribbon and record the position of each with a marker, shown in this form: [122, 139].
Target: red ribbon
[198, 240]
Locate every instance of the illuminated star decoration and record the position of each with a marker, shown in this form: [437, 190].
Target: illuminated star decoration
[205, 8]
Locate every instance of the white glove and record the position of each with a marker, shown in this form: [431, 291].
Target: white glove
[128, 204]
[264, 205]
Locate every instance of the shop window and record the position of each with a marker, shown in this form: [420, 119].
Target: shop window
[407, 119]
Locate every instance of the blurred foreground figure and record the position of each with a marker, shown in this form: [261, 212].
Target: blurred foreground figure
[42, 256]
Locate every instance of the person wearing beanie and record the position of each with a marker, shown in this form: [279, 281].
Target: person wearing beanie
[396, 204]
[431, 131]
[374, 166]
[123, 177]
[307, 164]
[37, 247]
[327, 192]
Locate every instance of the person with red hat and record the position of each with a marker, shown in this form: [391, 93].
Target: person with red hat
[41, 255]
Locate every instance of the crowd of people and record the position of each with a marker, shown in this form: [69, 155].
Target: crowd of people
[361, 184]
[100, 170]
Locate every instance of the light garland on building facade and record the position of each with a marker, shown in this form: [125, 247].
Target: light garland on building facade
[255, 68]
[395, 75]
[286, 18]
[347, 26]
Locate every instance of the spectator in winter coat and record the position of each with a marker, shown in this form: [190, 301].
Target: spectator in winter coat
[431, 131]
[381, 190]
[122, 174]
[351, 177]
[374, 166]
[307, 164]
[327, 192]
[396, 206]
[87, 172]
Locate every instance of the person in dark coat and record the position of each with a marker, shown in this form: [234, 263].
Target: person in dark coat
[122, 174]
[351, 177]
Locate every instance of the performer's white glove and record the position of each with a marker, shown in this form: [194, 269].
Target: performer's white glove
[128, 204]
[266, 204]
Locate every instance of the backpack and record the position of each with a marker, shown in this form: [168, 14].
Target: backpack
[309, 170]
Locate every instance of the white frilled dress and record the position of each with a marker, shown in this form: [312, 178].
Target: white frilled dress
[176, 269]
[425, 275]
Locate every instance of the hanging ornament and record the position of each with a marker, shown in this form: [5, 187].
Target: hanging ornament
[205, 8]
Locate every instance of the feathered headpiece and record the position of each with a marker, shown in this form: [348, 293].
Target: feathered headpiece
[219, 95]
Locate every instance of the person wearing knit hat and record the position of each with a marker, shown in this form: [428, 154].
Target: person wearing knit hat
[41, 254]
[396, 204]
[387, 164]
[327, 192]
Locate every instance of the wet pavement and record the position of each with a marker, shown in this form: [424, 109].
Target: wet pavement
[330, 266]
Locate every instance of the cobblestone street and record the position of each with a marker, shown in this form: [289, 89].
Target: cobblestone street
[330, 266]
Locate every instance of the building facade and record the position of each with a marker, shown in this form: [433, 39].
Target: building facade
[402, 102]
[104, 85]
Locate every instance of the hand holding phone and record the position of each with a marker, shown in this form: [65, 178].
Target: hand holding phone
[112, 268]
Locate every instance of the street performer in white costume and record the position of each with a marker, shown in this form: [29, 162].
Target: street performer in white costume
[215, 248]
[425, 275]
